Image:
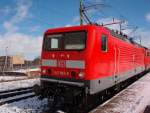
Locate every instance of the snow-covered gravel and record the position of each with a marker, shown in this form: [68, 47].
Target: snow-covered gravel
[18, 84]
[6, 78]
[133, 99]
[26, 70]
[31, 105]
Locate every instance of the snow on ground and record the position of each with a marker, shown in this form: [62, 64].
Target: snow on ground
[31, 105]
[18, 84]
[6, 78]
[133, 99]
[26, 70]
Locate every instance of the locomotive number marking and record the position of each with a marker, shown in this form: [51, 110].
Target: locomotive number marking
[61, 63]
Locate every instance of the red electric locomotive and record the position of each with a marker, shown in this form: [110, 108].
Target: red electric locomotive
[81, 61]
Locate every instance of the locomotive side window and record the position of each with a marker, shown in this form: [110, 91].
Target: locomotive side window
[104, 43]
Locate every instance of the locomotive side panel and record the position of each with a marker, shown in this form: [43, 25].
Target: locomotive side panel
[130, 60]
[102, 66]
[121, 60]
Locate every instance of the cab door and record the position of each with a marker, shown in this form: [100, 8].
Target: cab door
[116, 63]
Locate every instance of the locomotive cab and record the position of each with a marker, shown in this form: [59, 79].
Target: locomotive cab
[63, 63]
[63, 55]
[72, 61]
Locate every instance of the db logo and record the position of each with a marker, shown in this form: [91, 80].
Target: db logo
[61, 63]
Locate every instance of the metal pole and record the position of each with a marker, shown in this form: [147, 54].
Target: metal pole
[5, 62]
[81, 12]
[120, 27]
[140, 40]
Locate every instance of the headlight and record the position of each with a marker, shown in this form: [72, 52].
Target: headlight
[44, 71]
[81, 74]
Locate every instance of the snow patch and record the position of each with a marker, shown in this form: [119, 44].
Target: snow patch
[6, 78]
[31, 105]
[18, 84]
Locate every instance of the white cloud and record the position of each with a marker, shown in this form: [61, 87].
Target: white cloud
[143, 33]
[76, 19]
[114, 26]
[22, 10]
[148, 17]
[9, 26]
[68, 25]
[5, 10]
[145, 36]
[34, 28]
[19, 43]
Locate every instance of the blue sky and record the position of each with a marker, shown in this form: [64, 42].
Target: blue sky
[24, 21]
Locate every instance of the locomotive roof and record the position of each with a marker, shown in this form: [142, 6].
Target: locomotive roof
[114, 33]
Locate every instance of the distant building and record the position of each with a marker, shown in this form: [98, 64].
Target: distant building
[28, 63]
[18, 60]
[5, 61]
[11, 62]
[36, 61]
[33, 63]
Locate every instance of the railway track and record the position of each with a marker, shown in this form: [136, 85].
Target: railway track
[10, 73]
[15, 95]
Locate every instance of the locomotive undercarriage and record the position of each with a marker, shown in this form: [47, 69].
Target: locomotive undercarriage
[61, 90]
[71, 99]
[62, 96]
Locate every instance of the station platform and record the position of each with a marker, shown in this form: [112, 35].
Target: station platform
[134, 99]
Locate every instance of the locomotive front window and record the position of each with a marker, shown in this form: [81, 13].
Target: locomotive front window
[52, 42]
[74, 40]
[65, 41]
